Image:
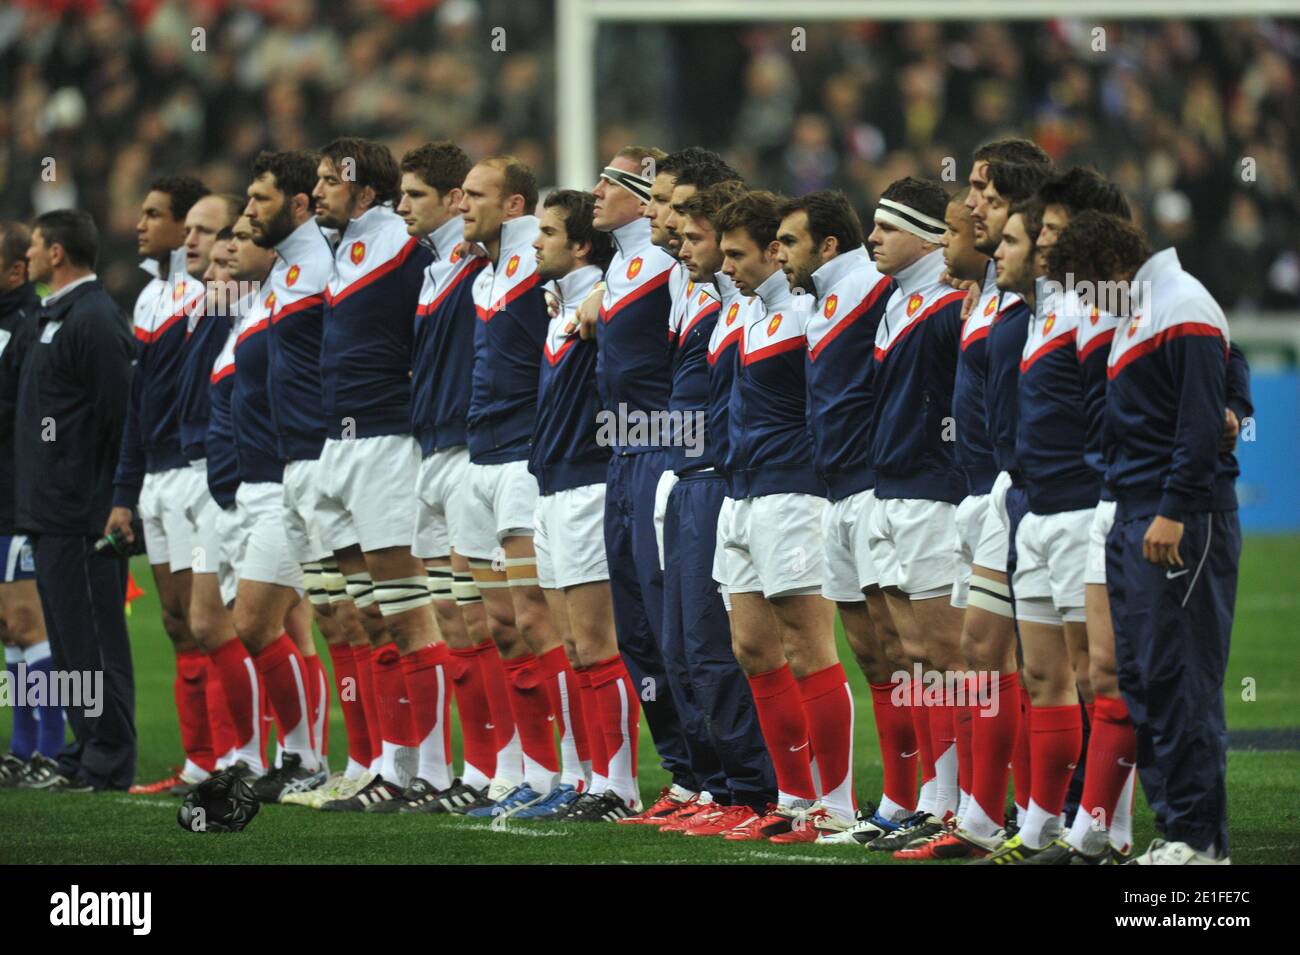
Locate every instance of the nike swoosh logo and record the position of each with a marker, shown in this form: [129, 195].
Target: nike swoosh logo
[911, 754]
[1170, 575]
[1127, 763]
[795, 749]
[1072, 766]
[402, 699]
[489, 726]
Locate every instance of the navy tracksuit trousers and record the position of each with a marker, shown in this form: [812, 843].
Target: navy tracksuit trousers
[1172, 630]
[637, 587]
[733, 763]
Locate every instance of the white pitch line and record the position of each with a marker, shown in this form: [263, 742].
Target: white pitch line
[785, 857]
[137, 801]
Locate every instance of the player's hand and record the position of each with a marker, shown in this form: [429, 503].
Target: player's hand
[119, 519]
[1231, 429]
[1160, 545]
[972, 297]
[589, 313]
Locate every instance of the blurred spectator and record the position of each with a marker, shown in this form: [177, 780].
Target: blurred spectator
[1205, 112]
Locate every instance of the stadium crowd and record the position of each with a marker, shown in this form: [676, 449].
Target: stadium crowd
[1168, 110]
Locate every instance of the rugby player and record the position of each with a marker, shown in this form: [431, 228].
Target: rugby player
[153, 475]
[498, 199]
[912, 529]
[368, 464]
[37, 734]
[1172, 553]
[441, 370]
[771, 555]
[570, 464]
[643, 285]
[280, 218]
[822, 255]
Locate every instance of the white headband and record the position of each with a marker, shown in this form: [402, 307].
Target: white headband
[924, 227]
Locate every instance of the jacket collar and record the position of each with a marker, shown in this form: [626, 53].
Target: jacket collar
[923, 272]
[1164, 262]
[298, 243]
[175, 265]
[633, 237]
[445, 238]
[517, 232]
[832, 272]
[63, 293]
[990, 278]
[775, 290]
[573, 287]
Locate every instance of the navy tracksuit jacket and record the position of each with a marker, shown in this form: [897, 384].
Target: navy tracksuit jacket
[708, 683]
[1168, 373]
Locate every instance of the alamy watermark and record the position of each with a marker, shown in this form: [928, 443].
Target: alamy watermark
[922, 687]
[633, 428]
[69, 689]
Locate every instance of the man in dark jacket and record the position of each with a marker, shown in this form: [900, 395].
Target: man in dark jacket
[72, 399]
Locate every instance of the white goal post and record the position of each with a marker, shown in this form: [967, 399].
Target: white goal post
[578, 20]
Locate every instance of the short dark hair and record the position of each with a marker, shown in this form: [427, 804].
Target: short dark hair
[294, 171]
[1031, 210]
[1098, 247]
[710, 173]
[758, 212]
[1013, 150]
[686, 157]
[579, 211]
[228, 233]
[924, 195]
[829, 214]
[372, 163]
[707, 202]
[1015, 181]
[1082, 187]
[181, 192]
[441, 165]
[15, 237]
[74, 229]
[517, 179]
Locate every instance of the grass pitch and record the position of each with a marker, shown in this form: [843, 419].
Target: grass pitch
[1262, 692]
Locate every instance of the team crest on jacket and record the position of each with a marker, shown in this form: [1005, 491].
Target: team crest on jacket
[733, 312]
[512, 266]
[774, 324]
[832, 302]
[1095, 317]
[704, 296]
[991, 306]
[270, 303]
[292, 275]
[1133, 325]
[178, 291]
[455, 257]
[1047, 325]
[634, 267]
[358, 252]
[913, 304]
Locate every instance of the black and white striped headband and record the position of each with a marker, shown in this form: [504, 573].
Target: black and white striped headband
[639, 186]
[926, 228]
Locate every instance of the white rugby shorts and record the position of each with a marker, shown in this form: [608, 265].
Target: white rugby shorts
[913, 543]
[773, 545]
[499, 502]
[367, 491]
[439, 506]
[569, 537]
[302, 516]
[846, 526]
[1051, 554]
[266, 555]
